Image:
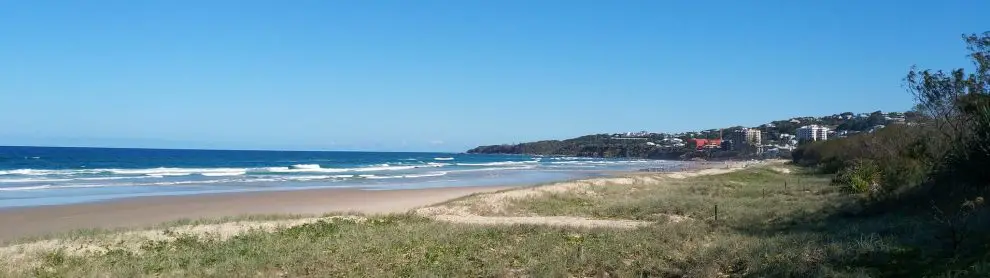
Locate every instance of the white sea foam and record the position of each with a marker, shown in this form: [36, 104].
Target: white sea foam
[163, 171]
[212, 172]
[220, 178]
[525, 167]
[225, 174]
[291, 170]
[308, 178]
[111, 178]
[49, 186]
[571, 158]
[500, 163]
[568, 162]
[182, 183]
[380, 167]
[28, 180]
[21, 188]
[443, 158]
[305, 166]
[431, 174]
[28, 172]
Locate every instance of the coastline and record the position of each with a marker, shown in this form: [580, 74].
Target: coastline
[140, 212]
[148, 211]
[92, 231]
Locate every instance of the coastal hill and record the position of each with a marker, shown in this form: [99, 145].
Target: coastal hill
[676, 145]
[598, 145]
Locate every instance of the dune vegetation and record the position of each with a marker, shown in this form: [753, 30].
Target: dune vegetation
[759, 221]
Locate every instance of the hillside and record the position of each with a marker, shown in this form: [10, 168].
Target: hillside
[672, 146]
[599, 145]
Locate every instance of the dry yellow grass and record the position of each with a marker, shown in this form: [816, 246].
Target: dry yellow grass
[24, 255]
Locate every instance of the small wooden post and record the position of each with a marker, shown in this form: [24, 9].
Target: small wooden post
[716, 214]
[785, 185]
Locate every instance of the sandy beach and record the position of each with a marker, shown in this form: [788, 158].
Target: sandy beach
[146, 211]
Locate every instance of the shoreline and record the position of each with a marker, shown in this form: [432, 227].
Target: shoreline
[146, 212]
[141, 212]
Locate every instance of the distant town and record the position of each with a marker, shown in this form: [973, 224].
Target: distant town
[772, 139]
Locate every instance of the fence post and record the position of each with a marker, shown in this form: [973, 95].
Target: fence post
[716, 214]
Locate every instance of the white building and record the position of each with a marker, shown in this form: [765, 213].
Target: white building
[746, 136]
[812, 133]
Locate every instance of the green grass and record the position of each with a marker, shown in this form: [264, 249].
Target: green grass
[743, 199]
[405, 245]
[797, 231]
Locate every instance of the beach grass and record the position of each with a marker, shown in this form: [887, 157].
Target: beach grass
[741, 199]
[762, 229]
[98, 232]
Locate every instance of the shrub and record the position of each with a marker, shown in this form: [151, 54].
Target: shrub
[861, 176]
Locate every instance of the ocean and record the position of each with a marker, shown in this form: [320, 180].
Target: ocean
[35, 176]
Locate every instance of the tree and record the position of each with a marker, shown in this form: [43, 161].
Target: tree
[957, 105]
[876, 118]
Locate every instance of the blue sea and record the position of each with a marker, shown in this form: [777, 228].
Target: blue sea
[35, 176]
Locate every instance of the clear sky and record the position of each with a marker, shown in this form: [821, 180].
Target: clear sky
[448, 75]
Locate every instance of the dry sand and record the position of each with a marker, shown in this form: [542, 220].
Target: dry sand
[142, 212]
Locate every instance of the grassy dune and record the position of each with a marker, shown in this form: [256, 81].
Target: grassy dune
[763, 229]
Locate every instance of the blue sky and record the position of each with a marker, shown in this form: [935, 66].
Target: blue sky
[448, 75]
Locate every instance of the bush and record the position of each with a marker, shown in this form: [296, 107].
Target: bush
[861, 176]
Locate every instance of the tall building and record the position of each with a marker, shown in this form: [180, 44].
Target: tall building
[812, 133]
[746, 137]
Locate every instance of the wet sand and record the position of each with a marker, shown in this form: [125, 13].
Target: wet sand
[148, 211]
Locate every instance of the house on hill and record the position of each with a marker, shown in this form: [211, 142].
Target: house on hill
[701, 144]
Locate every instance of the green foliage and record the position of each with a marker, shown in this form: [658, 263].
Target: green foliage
[938, 169]
[959, 106]
[600, 145]
[861, 176]
[893, 158]
[949, 153]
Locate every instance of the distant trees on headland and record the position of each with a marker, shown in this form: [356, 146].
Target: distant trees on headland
[598, 145]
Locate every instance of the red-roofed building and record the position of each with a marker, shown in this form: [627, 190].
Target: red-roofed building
[706, 143]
